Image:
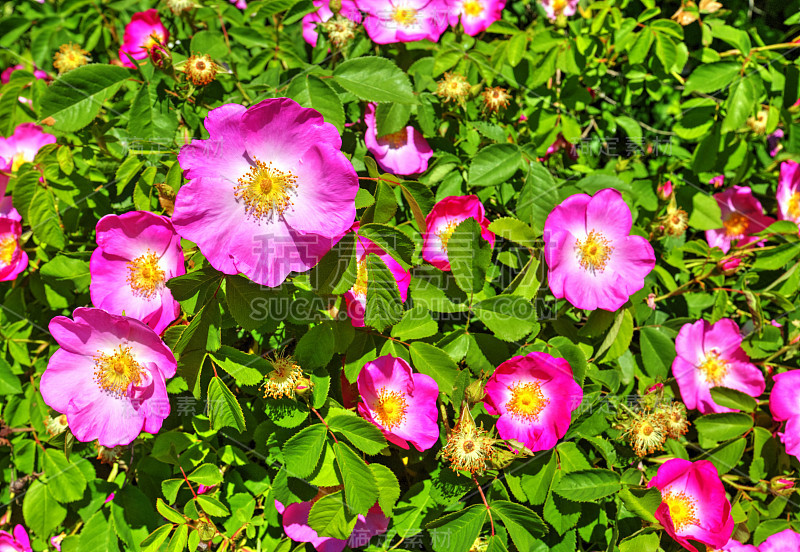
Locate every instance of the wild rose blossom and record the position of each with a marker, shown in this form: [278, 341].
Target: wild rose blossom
[13, 259]
[593, 261]
[534, 395]
[137, 253]
[241, 4]
[718, 181]
[788, 194]
[323, 13]
[559, 144]
[694, 505]
[390, 21]
[356, 297]
[273, 177]
[403, 152]
[784, 403]
[18, 542]
[785, 541]
[295, 525]
[443, 220]
[742, 216]
[400, 403]
[108, 376]
[476, 15]
[554, 8]
[144, 31]
[735, 546]
[21, 147]
[5, 76]
[711, 355]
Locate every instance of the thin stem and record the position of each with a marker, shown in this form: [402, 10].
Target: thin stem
[321, 419]
[483, 497]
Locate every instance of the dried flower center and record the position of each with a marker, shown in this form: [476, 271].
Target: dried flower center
[714, 368]
[736, 225]
[794, 205]
[69, 56]
[340, 30]
[682, 509]
[594, 252]
[473, 8]
[115, 372]
[446, 233]
[468, 448]
[527, 401]
[145, 276]
[646, 434]
[405, 16]
[394, 140]
[8, 247]
[265, 190]
[391, 408]
[282, 380]
[360, 287]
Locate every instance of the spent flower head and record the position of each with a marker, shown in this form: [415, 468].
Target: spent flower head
[284, 378]
[69, 56]
[453, 87]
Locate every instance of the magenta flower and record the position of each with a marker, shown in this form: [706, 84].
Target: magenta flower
[736, 546]
[784, 403]
[241, 4]
[5, 76]
[202, 489]
[742, 216]
[534, 395]
[403, 152]
[273, 177]
[694, 505]
[718, 181]
[323, 13]
[711, 355]
[476, 15]
[390, 21]
[13, 260]
[356, 297]
[788, 194]
[785, 541]
[108, 376]
[22, 147]
[443, 220]
[18, 542]
[400, 403]
[137, 253]
[295, 525]
[559, 144]
[554, 8]
[143, 32]
[593, 261]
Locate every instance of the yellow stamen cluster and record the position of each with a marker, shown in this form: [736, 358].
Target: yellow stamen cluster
[283, 379]
[360, 287]
[558, 6]
[453, 88]
[794, 205]
[200, 70]
[69, 56]
[405, 17]
[446, 233]
[391, 408]
[736, 225]
[714, 368]
[647, 434]
[495, 99]
[340, 30]
[675, 420]
[115, 372]
[17, 160]
[682, 509]
[8, 247]
[594, 252]
[145, 276]
[265, 190]
[469, 447]
[472, 8]
[527, 401]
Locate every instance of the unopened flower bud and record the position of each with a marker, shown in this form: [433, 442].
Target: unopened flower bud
[664, 190]
[783, 486]
[160, 56]
[206, 529]
[730, 266]
[474, 392]
[304, 387]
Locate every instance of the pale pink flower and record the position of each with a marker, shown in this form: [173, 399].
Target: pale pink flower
[443, 220]
[403, 152]
[742, 216]
[389, 21]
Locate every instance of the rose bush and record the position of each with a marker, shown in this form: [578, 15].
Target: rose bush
[442, 275]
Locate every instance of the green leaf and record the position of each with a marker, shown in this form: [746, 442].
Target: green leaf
[178, 541]
[65, 479]
[706, 214]
[732, 398]
[619, 336]
[75, 98]
[336, 272]
[391, 240]
[248, 302]
[720, 427]
[9, 382]
[710, 77]
[150, 117]
[740, 104]
[522, 523]
[246, 369]
[658, 352]
[315, 348]
[420, 200]
[364, 435]
[44, 220]
[199, 283]
[415, 324]
[389, 487]
[360, 488]
[98, 534]
[538, 197]
[509, 317]
[375, 79]
[649, 541]
[773, 259]
[223, 408]
[456, 532]
[514, 230]
[330, 518]
[41, 510]
[588, 485]
[302, 451]
[435, 363]
[469, 255]
[169, 513]
[155, 539]
[311, 91]
[391, 117]
[206, 474]
[212, 506]
[642, 502]
[494, 164]
[384, 305]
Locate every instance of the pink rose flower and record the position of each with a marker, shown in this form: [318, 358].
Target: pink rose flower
[534, 395]
[400, 403]
[202, 489]
[137, 253]
[558, 145]
[143, 32]
[21, 147]
[593, 261]
[295, 525]
[390, 21]
[356, 297]
[784, 403]
[13, 260]
[443, 220]
[5, 76]
[717, 181]
[241, 4]
[476, 15]
[785, 541]
[735, 546]
[711, 355]
[403, 152]
[554, 8]
[274, 178]
[18, 542]
[788, 193]
[742, 216]
[108, 376]
[310, 20]
[774, 142]
[694, 505]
